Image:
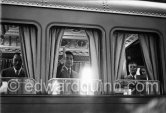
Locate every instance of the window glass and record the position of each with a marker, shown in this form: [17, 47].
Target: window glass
[78, 63]
[137, 58]
[13, 75]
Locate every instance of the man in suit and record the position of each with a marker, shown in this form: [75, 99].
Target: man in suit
[132, 70]
[137, 89]
[16, 70]
[128, 83]
[12, 72]
[64, 69]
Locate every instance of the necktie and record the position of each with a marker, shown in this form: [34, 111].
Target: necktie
[69, 72]
[17, 72]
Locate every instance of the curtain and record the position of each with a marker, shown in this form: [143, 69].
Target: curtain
[40, 55]
[94, 51]
[52, 53]
[4, 29]
[149, 48]
[118, 58]
[29, 45]
[163, 64]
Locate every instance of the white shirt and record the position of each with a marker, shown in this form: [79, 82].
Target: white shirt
[17, 70]
[67, 68]
[133, 76]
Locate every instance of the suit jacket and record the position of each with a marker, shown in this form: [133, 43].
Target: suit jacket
[139, 87]
[9, 72]
[141, 77]
[132, 83]
[62, 72]
[130, 77]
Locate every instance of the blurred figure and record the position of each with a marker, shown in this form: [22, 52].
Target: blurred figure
[155, 106]
[143, 74]
[141, 89]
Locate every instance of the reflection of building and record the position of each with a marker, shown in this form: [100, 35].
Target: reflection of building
[9, 44]
[76, 41]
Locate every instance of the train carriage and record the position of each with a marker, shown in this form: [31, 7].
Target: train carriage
[104, 38]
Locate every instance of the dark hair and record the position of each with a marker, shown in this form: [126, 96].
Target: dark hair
[132, 63]
[69, 53]
[19, 54]
[140, 71]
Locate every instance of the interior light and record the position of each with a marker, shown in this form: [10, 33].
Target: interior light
[87, 81]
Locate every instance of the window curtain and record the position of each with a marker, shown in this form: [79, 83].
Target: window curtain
[30, 50]
[163, 64]
[118, 57]
[93, 37]
[149, 48]
[52, 53]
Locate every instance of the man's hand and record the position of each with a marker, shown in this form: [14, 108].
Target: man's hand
[62, 61]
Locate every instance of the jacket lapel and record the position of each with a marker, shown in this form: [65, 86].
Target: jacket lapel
[13, 72]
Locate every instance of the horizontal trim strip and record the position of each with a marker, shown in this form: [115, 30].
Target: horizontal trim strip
[142, 8]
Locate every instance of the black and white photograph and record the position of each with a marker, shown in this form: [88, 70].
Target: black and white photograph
[82, 56]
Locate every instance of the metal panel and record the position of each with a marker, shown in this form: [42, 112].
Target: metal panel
[108, 6]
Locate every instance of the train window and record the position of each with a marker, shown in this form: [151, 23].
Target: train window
[76, 72]
[135, 63]
[72, 57]
[16, 44]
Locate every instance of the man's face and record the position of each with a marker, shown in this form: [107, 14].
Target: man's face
[143, 71]
[69, 61]
[133, 68]
[17, 62]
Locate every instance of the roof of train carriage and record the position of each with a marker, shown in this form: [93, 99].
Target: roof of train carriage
[156, 8]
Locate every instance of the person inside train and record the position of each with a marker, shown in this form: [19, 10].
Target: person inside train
[64, 69]
[141, 89]
[132, 71]
[129, 82]
[138, 78]
[12, 72]
[143, 74]
[16, 70]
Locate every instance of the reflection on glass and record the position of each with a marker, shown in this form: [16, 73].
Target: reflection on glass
[71, 86]
[138, 63]
[12, 86]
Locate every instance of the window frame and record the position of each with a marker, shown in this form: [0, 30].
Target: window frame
[22, 23]
[103, 55]
[160, 42]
